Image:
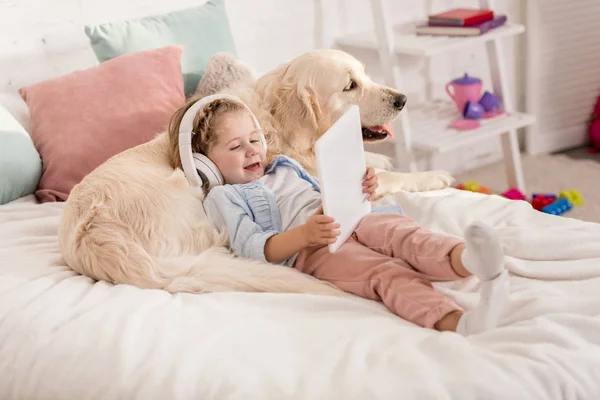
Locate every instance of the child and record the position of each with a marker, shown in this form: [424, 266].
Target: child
[272, 211]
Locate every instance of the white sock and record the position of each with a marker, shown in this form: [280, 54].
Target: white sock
[483, 255]
[484, 258]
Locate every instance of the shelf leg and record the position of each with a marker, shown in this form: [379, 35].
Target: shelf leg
[512, 160]
[387, 58]
[510, 140]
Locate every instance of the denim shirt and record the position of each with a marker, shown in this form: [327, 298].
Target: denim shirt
[249, 213]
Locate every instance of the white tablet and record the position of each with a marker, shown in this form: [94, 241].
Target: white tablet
[341, 169]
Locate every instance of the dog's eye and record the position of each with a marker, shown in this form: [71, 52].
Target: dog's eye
[351, 85]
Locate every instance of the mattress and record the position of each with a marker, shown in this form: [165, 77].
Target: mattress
[65, 336]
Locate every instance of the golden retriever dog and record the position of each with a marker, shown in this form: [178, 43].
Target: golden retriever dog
[136, 220]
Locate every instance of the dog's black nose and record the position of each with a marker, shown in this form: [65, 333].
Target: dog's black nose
[399, 101]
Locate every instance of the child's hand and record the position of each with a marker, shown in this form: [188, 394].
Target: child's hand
[320, 229]
[370, 183]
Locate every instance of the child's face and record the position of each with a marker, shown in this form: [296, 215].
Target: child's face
[238, 153]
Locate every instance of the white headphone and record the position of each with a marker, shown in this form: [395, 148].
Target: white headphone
[198, 168]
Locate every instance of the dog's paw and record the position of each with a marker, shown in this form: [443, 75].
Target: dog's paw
[393, 182]
[378, 161]
[432, 180]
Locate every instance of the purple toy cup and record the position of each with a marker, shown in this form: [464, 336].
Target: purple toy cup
[473, 110]
[490, 102]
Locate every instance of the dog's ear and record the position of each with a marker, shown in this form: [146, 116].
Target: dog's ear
[292, 100]
[173, 134]
[312, 108]
[298, 104]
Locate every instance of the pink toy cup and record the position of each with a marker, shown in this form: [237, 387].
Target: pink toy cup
[464, 89]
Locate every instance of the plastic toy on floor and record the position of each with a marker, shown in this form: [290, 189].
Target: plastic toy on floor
[539, 201]
[514, 194]
[573, 196]
[473, 186]
[558, 207]
[548, 203]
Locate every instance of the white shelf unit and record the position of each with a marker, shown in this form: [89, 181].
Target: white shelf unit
[431, 120]
[408, 43]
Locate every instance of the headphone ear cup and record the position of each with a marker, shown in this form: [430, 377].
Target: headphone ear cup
[207, 171]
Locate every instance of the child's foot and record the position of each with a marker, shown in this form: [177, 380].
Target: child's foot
[484, 258]
[483, 255]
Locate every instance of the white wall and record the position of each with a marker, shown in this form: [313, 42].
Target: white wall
[41, 38]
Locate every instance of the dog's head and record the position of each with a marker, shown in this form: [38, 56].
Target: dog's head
[316, 88]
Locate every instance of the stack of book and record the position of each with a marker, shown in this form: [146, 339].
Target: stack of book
[461, 22]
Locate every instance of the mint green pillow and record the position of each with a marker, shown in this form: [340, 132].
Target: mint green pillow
[20, 163]
[202, 31]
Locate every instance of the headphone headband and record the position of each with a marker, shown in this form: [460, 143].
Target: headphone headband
[187, 122]
[198, 168]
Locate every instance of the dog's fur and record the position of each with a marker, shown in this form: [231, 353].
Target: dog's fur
[136, 220]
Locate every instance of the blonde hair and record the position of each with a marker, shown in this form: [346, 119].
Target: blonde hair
[204, 126]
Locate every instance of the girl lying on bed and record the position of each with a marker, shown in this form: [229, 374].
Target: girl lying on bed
[272, 211]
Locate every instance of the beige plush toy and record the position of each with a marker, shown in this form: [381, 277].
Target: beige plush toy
[223, 71]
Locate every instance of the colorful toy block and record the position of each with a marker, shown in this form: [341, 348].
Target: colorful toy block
[514, 194]
[559, 207]
[540, 201]
[573, 196]
[473, 186]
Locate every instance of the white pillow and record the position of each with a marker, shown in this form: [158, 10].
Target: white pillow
[20, 163]
[16, 106]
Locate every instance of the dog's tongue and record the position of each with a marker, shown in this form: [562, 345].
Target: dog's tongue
[387, 128]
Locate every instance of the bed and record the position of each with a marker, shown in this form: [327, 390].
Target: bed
[64, 336]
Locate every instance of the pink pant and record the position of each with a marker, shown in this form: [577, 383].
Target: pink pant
[389, 258]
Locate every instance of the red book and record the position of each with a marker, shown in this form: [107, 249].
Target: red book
[461, 17]
[449, 30]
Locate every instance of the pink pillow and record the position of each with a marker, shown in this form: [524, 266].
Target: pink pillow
[80, 120]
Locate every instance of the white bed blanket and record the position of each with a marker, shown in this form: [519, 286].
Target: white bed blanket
[62, 336]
